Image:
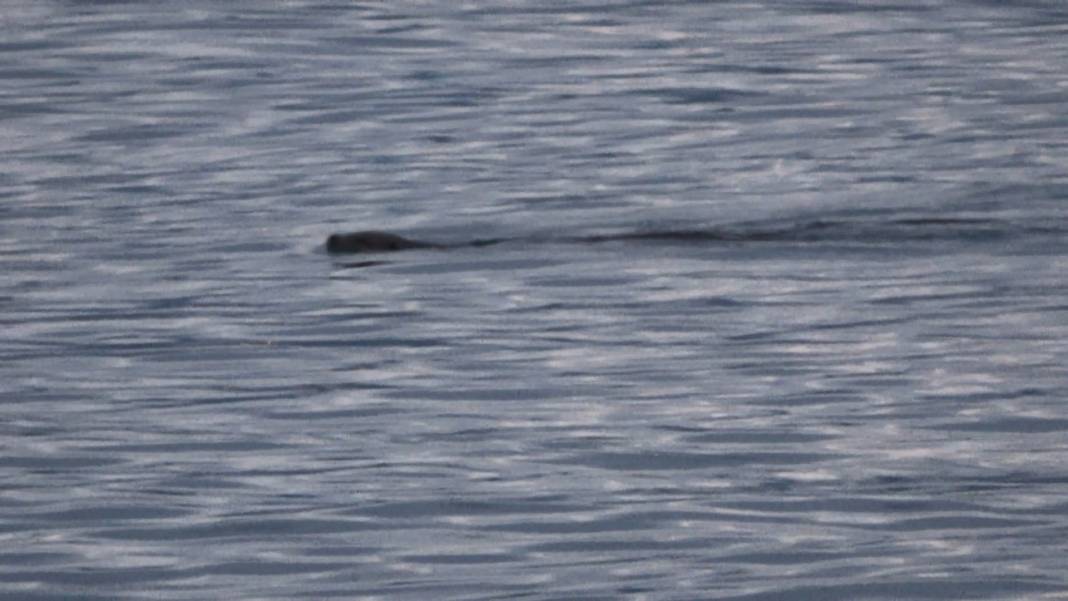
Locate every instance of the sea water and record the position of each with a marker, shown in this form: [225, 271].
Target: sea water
[778, 310]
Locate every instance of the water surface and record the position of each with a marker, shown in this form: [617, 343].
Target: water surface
[779, 311]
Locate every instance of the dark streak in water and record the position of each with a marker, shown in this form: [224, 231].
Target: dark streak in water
[909, 229]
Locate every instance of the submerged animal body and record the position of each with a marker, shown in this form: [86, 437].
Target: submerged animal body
[898, 229]
[371, 242]
[381, 242]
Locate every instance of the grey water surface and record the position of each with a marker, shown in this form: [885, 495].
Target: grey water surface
[780, 310]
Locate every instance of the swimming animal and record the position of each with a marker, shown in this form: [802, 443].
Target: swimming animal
[900, 229]
[372, 242]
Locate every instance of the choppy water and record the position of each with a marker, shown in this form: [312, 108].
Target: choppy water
[780, 311]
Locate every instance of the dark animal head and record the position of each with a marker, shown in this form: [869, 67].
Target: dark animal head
[335, 243]
[369, 242]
